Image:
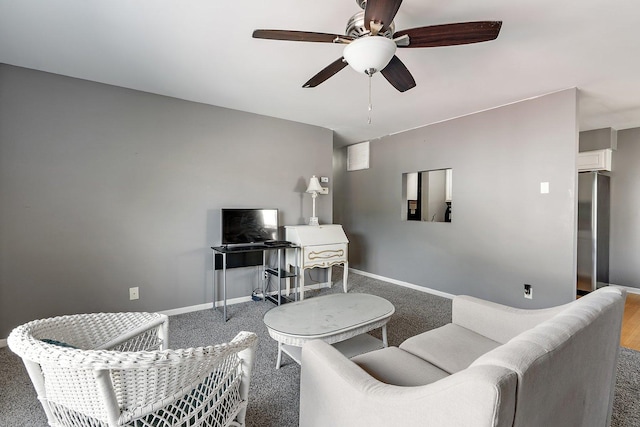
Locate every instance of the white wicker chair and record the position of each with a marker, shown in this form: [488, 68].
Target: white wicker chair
[113, 369]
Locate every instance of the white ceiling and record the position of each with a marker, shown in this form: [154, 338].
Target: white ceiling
[202, 50]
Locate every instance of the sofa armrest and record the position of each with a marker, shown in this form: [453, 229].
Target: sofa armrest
[496, 321]
[335, 391]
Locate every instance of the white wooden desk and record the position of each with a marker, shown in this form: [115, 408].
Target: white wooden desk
[322, 246]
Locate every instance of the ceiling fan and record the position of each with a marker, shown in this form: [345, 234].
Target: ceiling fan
[371, 41]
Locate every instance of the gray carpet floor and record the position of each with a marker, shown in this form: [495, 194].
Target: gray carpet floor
[273, 399]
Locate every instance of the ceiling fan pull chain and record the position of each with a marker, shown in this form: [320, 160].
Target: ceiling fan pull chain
[370, 104]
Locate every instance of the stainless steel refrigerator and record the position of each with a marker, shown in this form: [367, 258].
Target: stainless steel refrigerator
[593, 230]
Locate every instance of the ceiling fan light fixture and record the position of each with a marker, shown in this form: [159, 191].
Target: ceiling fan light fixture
[369, 54]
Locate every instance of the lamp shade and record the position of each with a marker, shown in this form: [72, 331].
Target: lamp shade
[314, 185]
[369, 53]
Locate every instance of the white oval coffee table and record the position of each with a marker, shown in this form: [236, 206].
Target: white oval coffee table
[339, 319]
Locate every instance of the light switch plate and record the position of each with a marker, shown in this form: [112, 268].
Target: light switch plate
[544, 188]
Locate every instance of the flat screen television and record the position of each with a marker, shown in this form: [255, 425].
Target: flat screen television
[248, 226]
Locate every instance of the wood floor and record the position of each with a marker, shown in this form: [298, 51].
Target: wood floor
[630, 337]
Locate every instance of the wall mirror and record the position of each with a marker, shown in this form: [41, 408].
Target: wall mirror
[427, 195]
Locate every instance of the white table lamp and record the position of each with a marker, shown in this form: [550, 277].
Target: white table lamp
[314, 188]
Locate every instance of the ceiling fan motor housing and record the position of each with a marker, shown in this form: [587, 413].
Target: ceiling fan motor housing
[356, 28]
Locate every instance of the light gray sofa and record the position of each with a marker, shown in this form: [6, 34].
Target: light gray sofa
[493, 365]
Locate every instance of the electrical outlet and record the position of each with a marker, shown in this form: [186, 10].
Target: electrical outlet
[134, 293]
[325, 190]
[528, 291]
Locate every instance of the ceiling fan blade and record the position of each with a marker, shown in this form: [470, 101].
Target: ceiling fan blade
[381, 11]
[327, 72]
[398, 75]
[451, 34]
[298, 36]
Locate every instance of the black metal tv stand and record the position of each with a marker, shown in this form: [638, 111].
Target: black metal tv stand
[276, 271]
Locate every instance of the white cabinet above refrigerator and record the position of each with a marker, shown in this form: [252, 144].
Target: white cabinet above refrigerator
[595, 160]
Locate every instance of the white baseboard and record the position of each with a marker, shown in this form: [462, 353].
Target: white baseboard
[206, 306]
[189, 309]
[405, 284]
[232, 301]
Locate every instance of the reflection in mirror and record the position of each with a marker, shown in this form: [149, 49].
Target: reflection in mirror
[427, 195]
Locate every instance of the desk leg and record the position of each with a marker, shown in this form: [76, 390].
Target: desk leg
[287, 281]
[213, 280]
[344, 276]
[385, 343]
[301, 284]
[224, 285]
[329, 280]
[279, 266]
[296, 279]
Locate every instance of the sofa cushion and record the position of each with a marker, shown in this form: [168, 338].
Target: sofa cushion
[394, 366]
[451, 348]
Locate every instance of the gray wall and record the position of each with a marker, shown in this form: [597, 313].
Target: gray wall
[504, 232]
[104, 188]
[624, 247]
